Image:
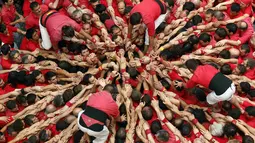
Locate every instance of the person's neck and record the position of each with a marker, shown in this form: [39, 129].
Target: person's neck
[8, 6]
[5, 56]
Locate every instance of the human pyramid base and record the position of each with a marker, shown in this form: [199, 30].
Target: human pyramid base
[127, 71]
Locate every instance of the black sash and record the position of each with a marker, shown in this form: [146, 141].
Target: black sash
[95, 114]
[45, 17]
[162, 6]
[220, 83]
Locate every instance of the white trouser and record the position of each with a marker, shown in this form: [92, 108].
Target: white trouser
[157, 22]
[46, 43]
[212, 98]
[100, 137]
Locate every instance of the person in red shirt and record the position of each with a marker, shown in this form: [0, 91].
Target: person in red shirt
[152, 17]
[9, 13]
[92, 121]
[6, 63]
[6, 33]
[26, 6]
[234, 10]
[31, 41]
[209, 77]
[32, 20]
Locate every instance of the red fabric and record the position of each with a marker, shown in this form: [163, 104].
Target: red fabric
[246, 35]
[6, 89]
[26, 7]
[228, 11]
[103, 101]
[32, 20]
[47, 2]
[41, 116]
[54, 26]
[6, 64]
[203, 76]
[150, 11]
[251, 122]
[250, 74]
[29, 45]
[133, 82]
[221, 139]
[52, 128]
[109, 23]
[248, 10]
[8, 39]
[172, 138]
[4, 76]
[8, 14]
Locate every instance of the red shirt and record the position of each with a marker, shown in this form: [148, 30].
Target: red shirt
[54, 26]
[6, 64]
[203, 76]
[4, 76]
[26, 7]
[8, 39]
[32, 20]
[246, 35]
[52, 128]
[228, 11]
[8, 14]
[6, 89]
[103, 101]
[150, 11]
[47, 2]
[29, 45]
[250, 74]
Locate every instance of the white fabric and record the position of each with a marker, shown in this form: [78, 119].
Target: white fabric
[158, 21]
[212, 98]
[100, 137]
[46, 43]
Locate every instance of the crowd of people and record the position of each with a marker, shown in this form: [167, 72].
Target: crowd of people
[127, 71]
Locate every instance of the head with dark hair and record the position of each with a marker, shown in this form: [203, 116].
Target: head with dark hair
[94, 3]
[155, 126]
[192, 64]
[232, 28]
[121, 133]
[8, 2]
[21, 99]
[12, 105]
[38, 76]
[199, 93]
[147, 113]
[103, 17]
[58, 101]
[45, 135]
[68, 31]
[32, 34]
[250, 111]
[187, 48]
[111, 89]
[122, 109]
[61, 125]
[199, 115]
[245, 49]
[36, 8]
[225, 54]
[135, 18]
[88, 79]
[146, 99]
[235, 8]
[74, 47]
[209, 15]
[165, 83]
[136, 95]
[5, 49]
[204, 39]
[51, 77]
[86, 18]
[100, 8]
[162, 136]
[247, 139]
[18, 125]
[245, 87]
[196, 20]
[115, 30]
[239, 70]
[189, 24]
[30, 119]
[219, 15]
[127, 11]
[132, 72]
[186, 129]
[15, 56]
[77, 89]
[193, 39]
[189, 6]
[64, 65]
[11, 131]
[220, 34]
[226, 106]
[29, 80]
[33, 139]
[251, 94]
[3, 28]
[230, 130]
[118, 40]
[226, 69]
[62, 45]
[234, 113]
[68, 95]
[161, 27]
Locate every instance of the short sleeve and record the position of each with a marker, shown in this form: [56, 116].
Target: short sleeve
[151, 28]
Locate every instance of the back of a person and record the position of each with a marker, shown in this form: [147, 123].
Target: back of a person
[204, 74]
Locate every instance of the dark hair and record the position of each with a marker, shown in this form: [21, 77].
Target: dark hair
[132, 72]
[161, 27]
[162, 106]
[246, 48]
[245, 87]
[64, 65]
[86, 78]
[192, 64]
[196, 19]
[103, 17]
[21, 99]
[250, 63]
[33, 5]
[241, 68]
[147, 99]
[2, 28]
[121, 133]
[127, 9]
[74, 47]
[199, 93]
[68, 31]
[62, 43]
[186, 129]
[11, 104]
[31, 98]
[68, 95]
[61, 125]
[187, 48]
[155, 126]
[250, 110]
[163, 135]
[193, 39]
[136, 95]
[189, 6]
[33, 139]
[93, 1]
[135, 18]
[209, 11]
[221, 32]
[36, 73]
[232, 27]
[30, 32]
[29, 119]
[43, 136]
[230, 130]
[199, 115]
[100, 8]
[122, 109]
[29, 80]
[165, 84]
[235, 7]
[113, 28]
[234, 113]
[77, 89]
[226, 69]
[50, 75]
[247, 139]
[225, 54]
[226, 105]
[58, 101]
[18, 125]
[205, 37]
[5, 49]
[170, 3]
[147, 113]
